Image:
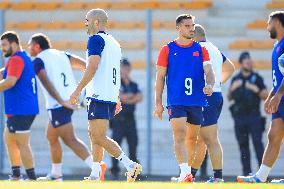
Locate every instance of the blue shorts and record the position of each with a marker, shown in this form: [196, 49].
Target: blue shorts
[20, 123]
[192, 113]
[280, 112]
[60, 116]
[100, 110]
[211, 113]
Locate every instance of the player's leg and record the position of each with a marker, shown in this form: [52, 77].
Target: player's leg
[211, 139]
[23, 142]
[179, 135]
[275, 137]
[13, 153]
[22, 125]
[196, 160]
[99, 114]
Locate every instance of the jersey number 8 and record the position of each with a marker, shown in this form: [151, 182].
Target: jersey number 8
[188, 86]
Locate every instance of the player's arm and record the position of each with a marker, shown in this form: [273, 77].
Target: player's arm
[93, 62]
[228, 69]
[162, 66]
[8, 83]
[95, 48]
[42, 76]
[1, 73]
[77, 62]
[276, 98]
[208, 71]
[14, 71]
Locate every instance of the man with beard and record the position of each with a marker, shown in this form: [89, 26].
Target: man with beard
[247, 90]
[183, 63]
[21, 104]
[274, 104]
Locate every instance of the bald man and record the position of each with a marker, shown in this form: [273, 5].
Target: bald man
[102, 82]
[208, 135]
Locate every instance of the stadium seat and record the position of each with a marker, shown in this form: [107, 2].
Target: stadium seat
[74, 25]
[275, 5]
[5, 5]
[27, 25]
[132, 44]
[52, 25]
[251, 44]
[23, 6]
[257, 64]
[257, 24]
[73, 6]
[47, 6]
[102, 5]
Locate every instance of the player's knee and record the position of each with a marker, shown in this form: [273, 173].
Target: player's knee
[98, 140]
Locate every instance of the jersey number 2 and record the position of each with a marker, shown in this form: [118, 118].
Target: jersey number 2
[64, 80]
[188, 86]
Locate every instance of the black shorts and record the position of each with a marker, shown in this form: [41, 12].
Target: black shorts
[60, 116]
[192, 113]
[20, 123]
[100, 110]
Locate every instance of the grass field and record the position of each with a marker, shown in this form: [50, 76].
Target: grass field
[124, 185]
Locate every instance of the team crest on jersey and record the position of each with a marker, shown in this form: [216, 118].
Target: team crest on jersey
[196, 53]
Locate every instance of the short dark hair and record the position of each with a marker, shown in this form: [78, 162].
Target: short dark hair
[42, 40]
[11, 36]
[125, 62]
[244, 55]
[279, 15]
[182, 17]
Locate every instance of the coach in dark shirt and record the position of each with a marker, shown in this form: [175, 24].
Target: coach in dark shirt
[247, 90]
[124, 124]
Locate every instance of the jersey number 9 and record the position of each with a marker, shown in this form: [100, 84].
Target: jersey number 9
[188, 86]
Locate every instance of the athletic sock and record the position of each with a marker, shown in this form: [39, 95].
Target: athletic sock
[16, 171]
[193, 171]
[125, 161]
[31, 173]
[96, 169]
[263, 172]
[89, 161]
[56, 170]
[184, 169]
[218, 173]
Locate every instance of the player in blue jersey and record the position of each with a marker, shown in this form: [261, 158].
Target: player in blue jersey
[183, 63]
[274, 104]
[21, 104]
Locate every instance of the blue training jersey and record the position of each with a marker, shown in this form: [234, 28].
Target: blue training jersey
[277, 76]
[185, 75]
[22, 99]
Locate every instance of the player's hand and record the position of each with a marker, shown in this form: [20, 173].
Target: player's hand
[159, 109]
[274, 103]
[266, 105]
[252, 87]
[118, 108]
[236, 84]
[208, 90]
[74, 97]
[67, 104]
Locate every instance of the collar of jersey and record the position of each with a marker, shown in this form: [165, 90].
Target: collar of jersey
[101, 32]
[184, 46]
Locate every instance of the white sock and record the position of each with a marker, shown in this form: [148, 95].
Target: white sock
[263, 172]
[96, 169]
[184, 169]
[56, 169]
[89, 161]
[125, 161]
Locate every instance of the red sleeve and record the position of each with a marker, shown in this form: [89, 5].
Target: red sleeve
[15, 67]
[205, 55]
[163, 57]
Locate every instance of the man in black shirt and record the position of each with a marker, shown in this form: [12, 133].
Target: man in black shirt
[124, 125]
[247, 90]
